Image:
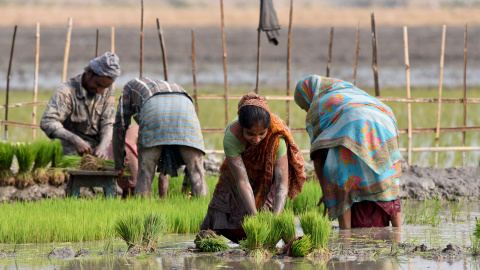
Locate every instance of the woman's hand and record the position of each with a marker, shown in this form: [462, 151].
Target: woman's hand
[239, 172]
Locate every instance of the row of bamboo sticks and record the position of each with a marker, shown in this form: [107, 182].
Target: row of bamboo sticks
[409, 131]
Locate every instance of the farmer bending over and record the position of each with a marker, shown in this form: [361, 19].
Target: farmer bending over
[81, 111]
[169, 134]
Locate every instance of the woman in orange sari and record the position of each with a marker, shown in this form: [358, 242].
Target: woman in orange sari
[263, 166]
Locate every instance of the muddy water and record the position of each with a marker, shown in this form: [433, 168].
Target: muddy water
[411, 247]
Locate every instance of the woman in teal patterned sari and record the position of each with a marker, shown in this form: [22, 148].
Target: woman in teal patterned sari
[355, 150]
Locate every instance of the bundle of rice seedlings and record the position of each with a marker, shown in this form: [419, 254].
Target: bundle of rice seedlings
[275, 233]
[213, 245]
[202, 235]
[141, 233]
[154, 225]
[25, 154]
[302, 246]
[44, 153]
[477, 228]
[256, 230]
[317, 226]
[57, 175]
[7, 151]
[287, 222]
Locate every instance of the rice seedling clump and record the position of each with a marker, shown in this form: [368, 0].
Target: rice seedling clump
[302, 246]
[7, 151]
[317, 227]
[213, 245]
[25, 154]
[141, 233]
[44, 153]
[287, 222]
[256, 229]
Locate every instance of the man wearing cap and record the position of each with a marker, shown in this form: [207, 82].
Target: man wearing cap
[81, 111]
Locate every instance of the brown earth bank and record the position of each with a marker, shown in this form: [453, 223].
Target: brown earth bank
[416, 183]
[310, 47]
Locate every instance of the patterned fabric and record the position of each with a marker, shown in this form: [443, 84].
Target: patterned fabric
[106, 65]
[259, 160]
[164, 112]
[68, 108]
[252, 99]
[361, 135]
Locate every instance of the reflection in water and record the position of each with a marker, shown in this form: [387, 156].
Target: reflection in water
[360, 248]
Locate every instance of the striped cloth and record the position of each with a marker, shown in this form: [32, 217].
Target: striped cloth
[169, 119]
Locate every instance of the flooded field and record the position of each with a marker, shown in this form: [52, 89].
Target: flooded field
[446, 246]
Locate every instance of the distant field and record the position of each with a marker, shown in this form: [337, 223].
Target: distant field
[212, 113]
[247, 16]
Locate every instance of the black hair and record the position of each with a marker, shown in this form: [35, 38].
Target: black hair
[249, 115]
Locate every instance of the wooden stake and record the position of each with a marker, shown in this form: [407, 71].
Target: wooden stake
[67, 50]
[8, 80]
[112, 40]
[96, 44]
[194, 72]
[164, 53]
[224, 44]
[35, 80]
[259, 52]
[374, 57]
[437, 133]
[289, 59]
[142, 35]
[409, 105]
[464, 134]
[330, 52]
[357, 48]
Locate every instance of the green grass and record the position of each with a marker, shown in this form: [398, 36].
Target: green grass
[424, 115]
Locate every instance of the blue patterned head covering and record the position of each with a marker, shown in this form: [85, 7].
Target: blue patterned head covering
[106, 65]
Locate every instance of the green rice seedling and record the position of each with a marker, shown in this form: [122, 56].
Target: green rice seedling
[130, 229]
[318, 227]
[477, 228]
[44, 152]
[307, 200]
[455, 208]
[57, 153]
[57, 174]
[213, 245]
[257, 230]
[154, 226]
[287, 222]
[275, 233]
[302, 246]
[7, 151]
[25, 154]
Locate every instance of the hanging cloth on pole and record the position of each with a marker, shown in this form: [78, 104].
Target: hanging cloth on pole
[269, 21]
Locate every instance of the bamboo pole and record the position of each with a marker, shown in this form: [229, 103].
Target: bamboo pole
[409, 105]
[194, 72]
[164, 53]
[442, 55]
[112, 40]
[357, 48]
[142, 35]
[464, 135]
[259, 52]
[35, 79]
[289, 60]
[8, 80]
[96, 43]
[224, 45]
[330, 52]
[67, 50]
[374, 57]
